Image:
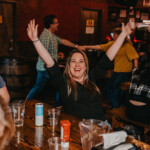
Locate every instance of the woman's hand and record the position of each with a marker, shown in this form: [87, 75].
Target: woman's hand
[32, 30]
[126, 29]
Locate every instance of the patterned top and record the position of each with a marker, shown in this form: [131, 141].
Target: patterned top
[2, 83]
[50, 42]
[139, 93]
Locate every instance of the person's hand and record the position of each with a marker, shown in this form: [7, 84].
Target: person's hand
[81, 48]
[32, 30]
[141, 53]
[126, 29]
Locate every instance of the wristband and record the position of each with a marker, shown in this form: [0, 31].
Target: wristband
[76, 45]
[35, 41]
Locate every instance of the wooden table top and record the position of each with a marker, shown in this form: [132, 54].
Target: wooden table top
[30, 137]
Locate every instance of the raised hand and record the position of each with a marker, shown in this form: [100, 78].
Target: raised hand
[126, 29]
[32, 30]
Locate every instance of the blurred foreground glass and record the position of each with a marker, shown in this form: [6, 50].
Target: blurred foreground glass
[53, 117]
[54, 143]
[90, 131]
[18, 110]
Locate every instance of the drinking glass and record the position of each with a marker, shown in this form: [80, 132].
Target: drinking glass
[53, 116]
[91, 131]
[18, 110]
[54, 143]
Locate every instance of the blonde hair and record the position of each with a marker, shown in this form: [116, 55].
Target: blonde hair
[7, 120]
[71, 84]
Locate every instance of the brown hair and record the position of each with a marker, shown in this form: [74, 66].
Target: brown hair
[118, 31]
[7, 120]
[71, 84]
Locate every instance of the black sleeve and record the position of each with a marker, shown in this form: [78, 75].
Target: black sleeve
[56, 76]
[98, 72]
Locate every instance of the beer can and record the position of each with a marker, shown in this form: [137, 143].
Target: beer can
[39, 114]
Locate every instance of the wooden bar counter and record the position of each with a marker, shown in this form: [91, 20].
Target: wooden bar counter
[30, 137]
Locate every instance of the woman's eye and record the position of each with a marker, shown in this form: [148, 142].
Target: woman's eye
[81, 61]
[73, 61]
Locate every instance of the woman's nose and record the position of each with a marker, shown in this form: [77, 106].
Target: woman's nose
[77, 63]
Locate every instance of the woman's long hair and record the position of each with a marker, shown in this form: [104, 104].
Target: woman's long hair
[71, 84]
[7, 120]
[144, 70]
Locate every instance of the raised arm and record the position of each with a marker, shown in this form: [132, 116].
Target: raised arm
[32, 32]
[112, 51]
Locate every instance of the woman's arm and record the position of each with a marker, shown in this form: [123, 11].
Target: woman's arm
[96, 47]
[136, 63]
[112, 51]
[32, 31]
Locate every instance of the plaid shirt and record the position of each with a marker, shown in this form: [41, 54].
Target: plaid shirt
[50, 42]
[139, 93]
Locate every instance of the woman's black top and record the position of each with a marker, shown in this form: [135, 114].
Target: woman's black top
[86, 105]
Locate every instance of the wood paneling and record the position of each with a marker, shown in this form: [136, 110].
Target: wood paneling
[6, 29]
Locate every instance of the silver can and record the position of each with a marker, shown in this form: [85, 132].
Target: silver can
[39, 114]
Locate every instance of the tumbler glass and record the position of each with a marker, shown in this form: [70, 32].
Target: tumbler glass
[53, 117]
[18, 110]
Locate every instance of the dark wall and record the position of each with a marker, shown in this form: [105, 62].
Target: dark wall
[68, 12]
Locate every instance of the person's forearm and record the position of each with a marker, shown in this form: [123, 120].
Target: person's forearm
[112, 51]
[44, 54]
[96, 47]
[68, 43]
[4, 95]
[135, 63]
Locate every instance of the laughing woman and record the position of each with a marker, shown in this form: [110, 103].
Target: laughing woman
[78, 86]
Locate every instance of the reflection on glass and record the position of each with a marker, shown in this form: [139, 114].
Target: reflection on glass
[17, 138]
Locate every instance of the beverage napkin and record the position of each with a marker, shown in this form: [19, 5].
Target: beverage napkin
[114, 138]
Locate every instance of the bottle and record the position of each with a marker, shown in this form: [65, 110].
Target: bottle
[39, 114]
[65, 133]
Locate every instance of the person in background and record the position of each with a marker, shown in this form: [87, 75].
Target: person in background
[78, 87]
[123, 65]
[4, 95]
[138, 108]
[7, 128]
[50, 41]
